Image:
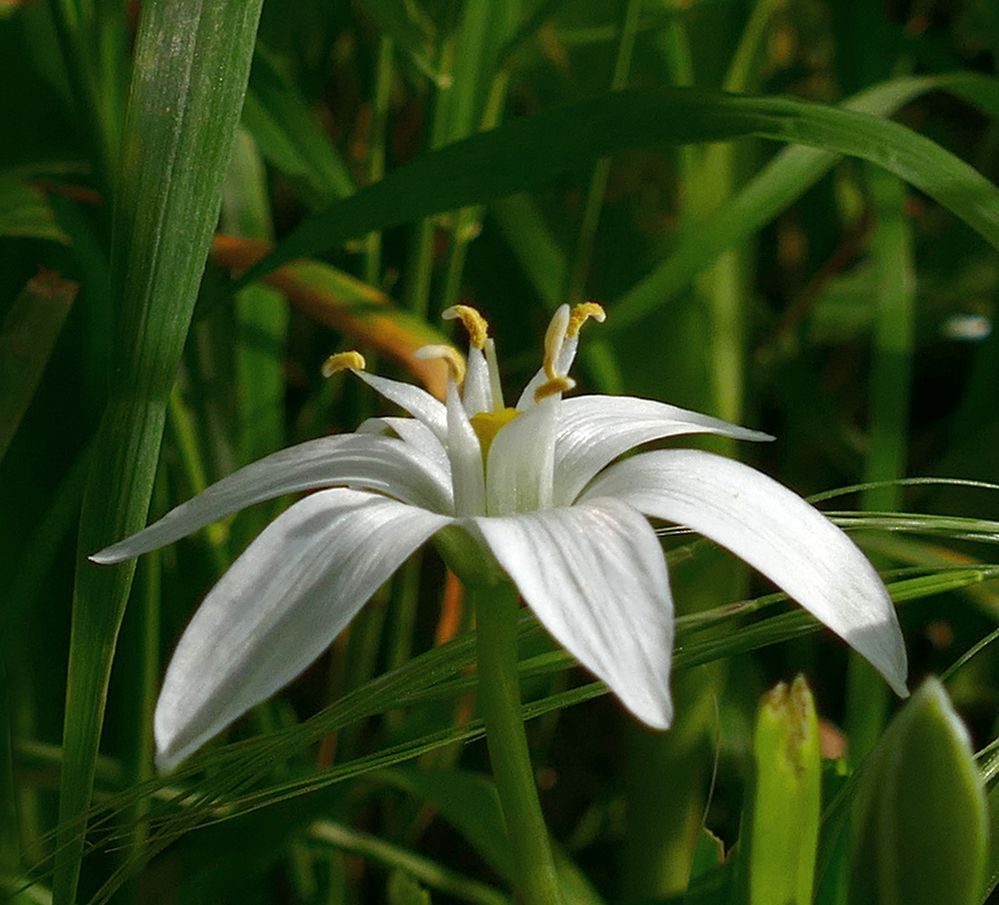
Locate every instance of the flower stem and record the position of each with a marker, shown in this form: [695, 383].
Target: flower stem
[499, 702]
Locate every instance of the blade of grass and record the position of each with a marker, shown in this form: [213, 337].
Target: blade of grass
[191, 65]
[775, 187]
[528, 152]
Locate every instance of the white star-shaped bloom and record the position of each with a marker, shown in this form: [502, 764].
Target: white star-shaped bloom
[533, 493]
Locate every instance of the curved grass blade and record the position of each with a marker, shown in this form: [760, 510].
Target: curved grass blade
[191, 65]
[777, 186]
[527, 153]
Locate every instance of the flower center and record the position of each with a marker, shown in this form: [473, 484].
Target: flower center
[488, 424]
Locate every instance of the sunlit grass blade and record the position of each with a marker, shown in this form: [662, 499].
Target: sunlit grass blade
[27, 337]
[526, 153]
[191, 66]
[347, 304]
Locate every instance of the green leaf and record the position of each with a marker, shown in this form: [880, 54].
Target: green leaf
[27, 337]
[784, 823]
[921, 819]
[529, 152]
[192, 60]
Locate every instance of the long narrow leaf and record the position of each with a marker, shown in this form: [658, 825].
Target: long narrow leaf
[527, 153]
[191, 65]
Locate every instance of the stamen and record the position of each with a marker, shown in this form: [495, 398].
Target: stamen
[554, 338]
[455, 363]
[492, 365]
[583, 312]
[472, 321]
[553, 387]
[343, 361]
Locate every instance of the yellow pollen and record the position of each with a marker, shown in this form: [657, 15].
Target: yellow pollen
[488, 424]
[472, 321]
[343, 361]
[554, 386]
[583, 312]
[455, 363]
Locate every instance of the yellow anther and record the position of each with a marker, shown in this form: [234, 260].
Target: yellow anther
[581, 313]
[343, 361]
[552, 387]
[472, 321]
[455, 363]
[488, 424]
[554, 339]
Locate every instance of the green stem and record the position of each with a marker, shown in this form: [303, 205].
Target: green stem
[499, 702]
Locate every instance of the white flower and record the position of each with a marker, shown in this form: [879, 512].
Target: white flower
[531, 491]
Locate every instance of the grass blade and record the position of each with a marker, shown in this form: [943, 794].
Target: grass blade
[526, 153]
[191, 65]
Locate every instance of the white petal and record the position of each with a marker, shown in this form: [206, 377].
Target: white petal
[521, 462]
[594, 430]
[416, 434]
[776, 532]
[278, 608]
[465, 453]
[419, 403]
[358, 460]
[476, 392]
[596, 578]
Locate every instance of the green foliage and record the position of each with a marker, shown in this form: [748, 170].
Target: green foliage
[789, 210]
